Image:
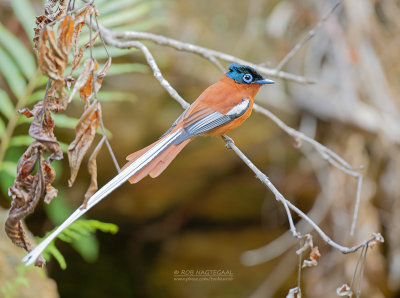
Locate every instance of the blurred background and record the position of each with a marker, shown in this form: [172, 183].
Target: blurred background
[207, 209]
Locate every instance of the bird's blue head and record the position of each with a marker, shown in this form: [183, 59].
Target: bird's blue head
[243, 74]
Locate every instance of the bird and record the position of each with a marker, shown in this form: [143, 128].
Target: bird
[221, 108]
[218, 110]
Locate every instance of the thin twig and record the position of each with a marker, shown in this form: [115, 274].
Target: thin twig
[330, 156]
[125, 37]
[306, 38]
[358, 293]
[299, 269]
[94, 91]
[114, 159]
[152, 63]
[263, 178]
[356, 269]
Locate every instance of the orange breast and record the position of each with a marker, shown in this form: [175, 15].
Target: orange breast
[222, 97]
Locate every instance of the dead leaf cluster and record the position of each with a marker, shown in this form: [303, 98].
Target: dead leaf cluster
[53, 50]
[51, 14]
[34, 172]
[314, 252]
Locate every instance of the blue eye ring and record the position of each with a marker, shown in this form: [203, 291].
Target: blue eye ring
[247, 78]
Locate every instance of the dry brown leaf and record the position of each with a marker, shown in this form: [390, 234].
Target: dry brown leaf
[28, 188]
[53, 59]
[92, 167]
[102, 73]
[48, 17]
[85, 133]
[308, 243]
[66, 29]
[313, 260]
[26, 192]
[88, 67]
[87, 89]
[80, 20]
[46, 63]
[344, 290]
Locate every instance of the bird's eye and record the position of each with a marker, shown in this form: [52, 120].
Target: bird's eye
[247, 78]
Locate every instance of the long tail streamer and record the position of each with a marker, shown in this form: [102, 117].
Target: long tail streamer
[123, 176]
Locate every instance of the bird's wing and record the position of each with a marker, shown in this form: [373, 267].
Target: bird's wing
[206, 119]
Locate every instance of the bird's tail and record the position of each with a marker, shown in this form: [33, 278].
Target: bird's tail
[158, 164]
[150, 160]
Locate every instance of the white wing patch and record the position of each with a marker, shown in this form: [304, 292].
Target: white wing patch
[212, 121]
[239, 109]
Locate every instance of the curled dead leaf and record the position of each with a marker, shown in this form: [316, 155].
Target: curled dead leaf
[313, 260]
[28, 186]
[85, 133]
[102, 73]
[53, 54]
[26, 193]
[86, 90]
[344, 290]
[80, 20]
[308, 243]
[88, 67]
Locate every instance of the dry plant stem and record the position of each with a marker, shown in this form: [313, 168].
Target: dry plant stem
[12, 123]
[111, 152]
[358, 293]
[114, 159]
[299, 271]
[152, 63]
[263, 178]
[306, 38]
[229, 143]
[284, 242]
[326, 153]
[125, 37]
[356, 269]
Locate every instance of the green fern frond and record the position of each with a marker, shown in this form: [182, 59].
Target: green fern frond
[75, 233]
[20, 54]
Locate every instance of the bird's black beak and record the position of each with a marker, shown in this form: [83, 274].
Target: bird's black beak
[264, 81]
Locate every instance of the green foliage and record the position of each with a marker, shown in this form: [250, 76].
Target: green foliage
[58, 211]
[12, 74]
[75, 233]
[22, 57]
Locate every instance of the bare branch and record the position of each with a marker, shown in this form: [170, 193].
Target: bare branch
[152, 63]
[326, 153]
[124, 39]
[264, 179]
